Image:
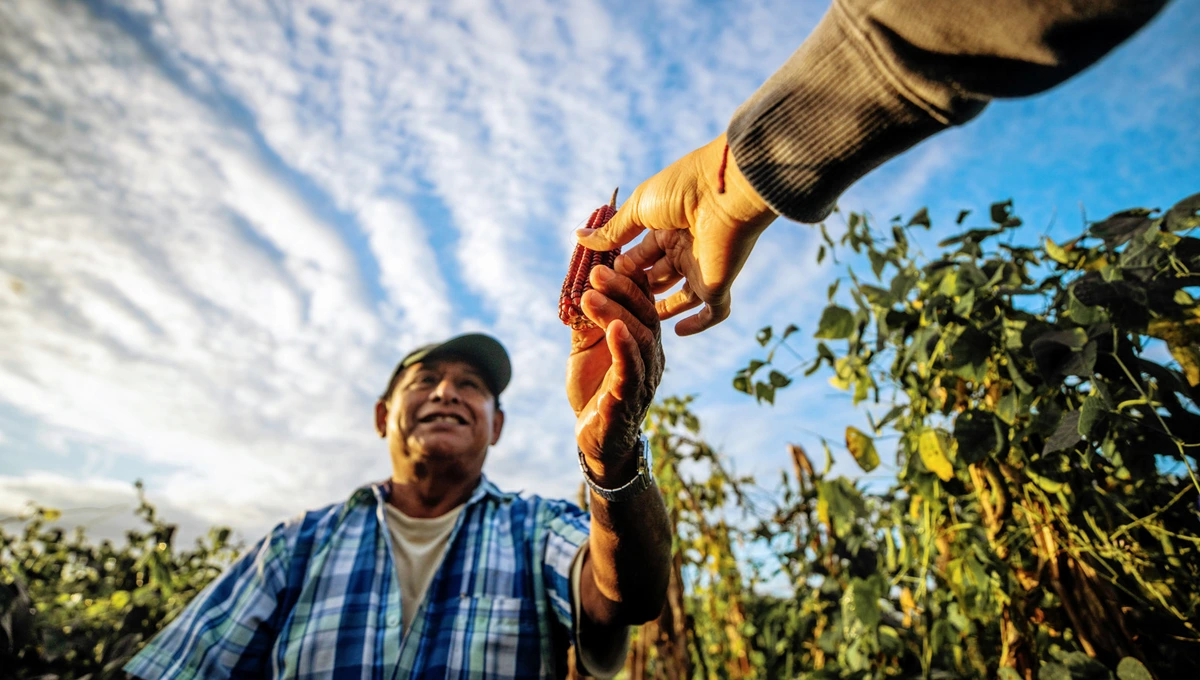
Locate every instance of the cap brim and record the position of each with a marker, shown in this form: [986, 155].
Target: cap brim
[483, 351]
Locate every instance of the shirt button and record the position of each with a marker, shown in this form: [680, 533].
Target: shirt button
[393, 619]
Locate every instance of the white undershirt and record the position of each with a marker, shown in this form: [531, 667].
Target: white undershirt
[419, 546]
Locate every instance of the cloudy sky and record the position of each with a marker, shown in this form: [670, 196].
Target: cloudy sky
[222, 222]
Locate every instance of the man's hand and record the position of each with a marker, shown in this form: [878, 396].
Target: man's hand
[697, 233]
[614, 370]
[612, 374]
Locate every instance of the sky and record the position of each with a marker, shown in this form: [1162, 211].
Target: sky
[223, 222]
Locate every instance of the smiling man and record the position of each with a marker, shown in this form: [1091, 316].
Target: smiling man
[436, 572]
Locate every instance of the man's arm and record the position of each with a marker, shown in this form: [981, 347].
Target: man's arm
[625, 573]
[612, 376]
[878, 76]
[227, 630]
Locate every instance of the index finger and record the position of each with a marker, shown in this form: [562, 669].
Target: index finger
[647, 251]
[711, 315]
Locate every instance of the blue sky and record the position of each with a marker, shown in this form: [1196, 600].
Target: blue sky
[223, 222]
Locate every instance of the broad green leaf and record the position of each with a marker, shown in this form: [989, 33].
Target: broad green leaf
[1091, 412]
[791, 328]
[920, 219]
[764, 392]
[1130, 668]
[962, 215]
[1065, 435]
[878, 262]
[979, 435]
[836, 323]
[1001, 214]
[763, 336]
[862, 448]
[755, 364]
[741, 383]
[778, 379]
[1183, 215]
[860, 605]
[970, 354]
[934, 453]
[1082, 314]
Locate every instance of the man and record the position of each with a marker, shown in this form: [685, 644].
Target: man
[436, 572]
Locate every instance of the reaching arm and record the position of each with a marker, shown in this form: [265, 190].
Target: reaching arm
[612, 374]
[873, 79]
[877, 76]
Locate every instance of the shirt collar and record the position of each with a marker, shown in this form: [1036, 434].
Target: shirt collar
[377, 493]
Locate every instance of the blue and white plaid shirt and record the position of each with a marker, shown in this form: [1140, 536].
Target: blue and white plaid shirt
[319, 598]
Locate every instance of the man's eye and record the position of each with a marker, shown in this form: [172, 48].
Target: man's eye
[471, 384]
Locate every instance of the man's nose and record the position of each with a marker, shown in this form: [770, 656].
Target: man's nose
[445, 391]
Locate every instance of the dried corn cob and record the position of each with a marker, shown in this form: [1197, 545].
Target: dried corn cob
[583, 260]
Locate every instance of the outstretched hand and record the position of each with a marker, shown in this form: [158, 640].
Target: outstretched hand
[614, 370]
[698, 233]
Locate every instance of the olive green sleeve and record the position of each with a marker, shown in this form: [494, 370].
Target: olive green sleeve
[877, 76]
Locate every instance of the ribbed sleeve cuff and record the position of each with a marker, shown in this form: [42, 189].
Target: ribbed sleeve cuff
[831, 114]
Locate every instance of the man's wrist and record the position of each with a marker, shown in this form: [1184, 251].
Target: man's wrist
[622, 478]
[614, 473]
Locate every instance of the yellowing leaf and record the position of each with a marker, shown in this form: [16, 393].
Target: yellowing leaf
[933, 452]
[52, 514]
[862, 448]
[1189, 360]
[1059, 254]
[823, 510]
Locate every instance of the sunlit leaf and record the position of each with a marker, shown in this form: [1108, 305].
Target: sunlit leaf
[836, 323]
[934, 451]
[1130, 668]
[862, 448]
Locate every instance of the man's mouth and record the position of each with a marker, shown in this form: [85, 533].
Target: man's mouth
[444, 418]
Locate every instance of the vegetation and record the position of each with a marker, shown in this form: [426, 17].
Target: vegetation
[1044, 518]
[1044, 521]
[72, 609]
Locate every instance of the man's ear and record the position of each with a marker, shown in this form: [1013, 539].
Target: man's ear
[497, 426]
[381, 414]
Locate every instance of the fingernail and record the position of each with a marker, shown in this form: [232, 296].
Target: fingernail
[604, 273]
[598, 299]
[583, 232]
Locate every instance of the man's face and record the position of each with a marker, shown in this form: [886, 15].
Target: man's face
[440, 410]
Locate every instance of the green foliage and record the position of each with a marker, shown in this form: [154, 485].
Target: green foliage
[70, 608]
[1047, 461]
[1043, 523]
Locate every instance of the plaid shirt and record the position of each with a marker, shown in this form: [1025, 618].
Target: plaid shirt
[319, 598]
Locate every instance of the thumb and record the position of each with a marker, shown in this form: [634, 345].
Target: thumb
[621, 229]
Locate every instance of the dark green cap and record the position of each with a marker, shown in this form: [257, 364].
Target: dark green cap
[482, 351]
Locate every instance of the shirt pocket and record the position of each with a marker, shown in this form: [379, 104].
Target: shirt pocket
[496, 636]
